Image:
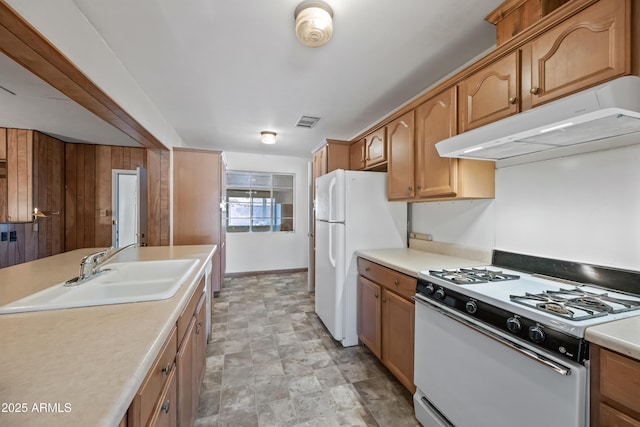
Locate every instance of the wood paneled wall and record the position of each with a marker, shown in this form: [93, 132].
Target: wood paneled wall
[48, 194]
[75, 181]
[158, 195]
[88, 191]
[3, 173]
[45, 188]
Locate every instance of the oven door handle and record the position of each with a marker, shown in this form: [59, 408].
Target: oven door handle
[561, 369]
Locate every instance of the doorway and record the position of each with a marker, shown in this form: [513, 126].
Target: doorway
[129, 203]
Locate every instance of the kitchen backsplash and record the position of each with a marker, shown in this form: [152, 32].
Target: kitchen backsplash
[584, 208]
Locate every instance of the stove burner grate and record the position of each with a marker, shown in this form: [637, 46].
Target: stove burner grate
[576, 303]
[470, 276]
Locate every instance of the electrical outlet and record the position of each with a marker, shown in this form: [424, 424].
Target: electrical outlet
[4, 236]
[13, 236]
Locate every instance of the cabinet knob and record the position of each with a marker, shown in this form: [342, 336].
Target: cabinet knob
[512, 100]
[167, 369]
[419, 187]
[367, 269]
[410, 188]
[376, 296]
[396, 282]
[534, 90]
[166, 406]
[198, 326]
[384, 299]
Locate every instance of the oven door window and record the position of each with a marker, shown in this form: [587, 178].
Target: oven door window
[475, 380]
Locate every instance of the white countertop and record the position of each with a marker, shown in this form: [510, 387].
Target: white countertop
[622, 336]
[411, 261]
[84, 364]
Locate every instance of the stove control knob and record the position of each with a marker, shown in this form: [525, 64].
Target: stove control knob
[471, 307]
[430, 289]
[536, 334]
[514, 325]
[440, 293]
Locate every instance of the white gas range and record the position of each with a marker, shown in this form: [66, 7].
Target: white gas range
[500, 346]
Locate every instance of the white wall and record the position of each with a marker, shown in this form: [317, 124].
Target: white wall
[583, 208]
[271, 251]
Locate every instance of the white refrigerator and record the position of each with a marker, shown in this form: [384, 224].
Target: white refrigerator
[352, 213]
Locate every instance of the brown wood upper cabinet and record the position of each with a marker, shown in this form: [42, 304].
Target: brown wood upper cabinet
[490, 94]
[400, 138]
[357, 155]
[332, 155]
[375, 148]
[436, 120]
[588, 48]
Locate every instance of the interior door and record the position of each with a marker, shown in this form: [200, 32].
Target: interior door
[129, 204]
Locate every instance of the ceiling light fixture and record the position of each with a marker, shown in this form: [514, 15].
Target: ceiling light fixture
[268, 137]
[314, 24]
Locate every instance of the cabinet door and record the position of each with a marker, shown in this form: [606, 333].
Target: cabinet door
[166, 413]
[196, 189]
[187, 400]
[490, 94]
[397, 337]
[320, 162]
[400, 133]
[200, 348]
[435, 120]
[376, 148]
[357, 155]
[369, 314]
[588, 48]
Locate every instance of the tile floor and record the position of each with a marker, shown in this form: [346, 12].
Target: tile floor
[271, 362]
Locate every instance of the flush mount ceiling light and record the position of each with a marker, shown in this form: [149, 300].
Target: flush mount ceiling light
[314, 24]
[268, 137]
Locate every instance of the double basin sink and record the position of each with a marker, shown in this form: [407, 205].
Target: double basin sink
[120, 282]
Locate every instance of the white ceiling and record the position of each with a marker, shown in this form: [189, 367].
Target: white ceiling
[27, 102]
[221, 71]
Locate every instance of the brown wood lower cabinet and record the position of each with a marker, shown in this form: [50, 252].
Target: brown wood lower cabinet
[370, 315]
[615, 381]
[166, 411]
[169, 394]
[386, 317]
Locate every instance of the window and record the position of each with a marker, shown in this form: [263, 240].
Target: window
[259, 201]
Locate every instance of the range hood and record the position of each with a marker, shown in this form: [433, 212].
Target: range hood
[598, 118]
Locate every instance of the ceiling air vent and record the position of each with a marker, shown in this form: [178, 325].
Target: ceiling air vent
[307, 122]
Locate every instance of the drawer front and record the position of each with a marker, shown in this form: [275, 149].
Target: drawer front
[156, 379]
[620, 379]
[166, 411]
[397, 282]
[612, 417]
[187, 313]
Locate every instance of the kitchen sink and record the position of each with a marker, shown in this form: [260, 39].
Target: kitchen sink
[118, 283]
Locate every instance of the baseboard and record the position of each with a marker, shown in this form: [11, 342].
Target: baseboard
[254, 273]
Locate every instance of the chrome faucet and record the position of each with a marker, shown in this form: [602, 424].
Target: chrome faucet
[90, 264]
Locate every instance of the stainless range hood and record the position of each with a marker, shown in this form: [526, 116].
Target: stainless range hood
[602, 117]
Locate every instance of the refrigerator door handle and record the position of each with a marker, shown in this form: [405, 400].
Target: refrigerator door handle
[332, 258]
[332, 192]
